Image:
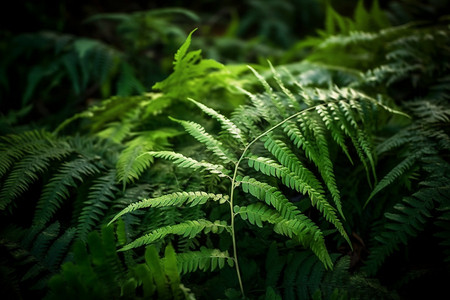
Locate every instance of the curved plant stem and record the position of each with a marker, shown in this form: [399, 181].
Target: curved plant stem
[233, 185]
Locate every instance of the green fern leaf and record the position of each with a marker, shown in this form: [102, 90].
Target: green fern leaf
[269, 194]
[406, 221]
[300, 228]
[395, 173]
[15, 146]
[229, 126]
[175, 199]
[213, 145]
[205, 259]
[187, 162]
[186, 229]
[101, 193]
[27, 171]
[56, 191]
[288, 159]
[132, 160]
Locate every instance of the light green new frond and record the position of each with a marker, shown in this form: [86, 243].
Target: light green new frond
[292, 100]
[187, 162]
[56, 191]
[229, 126]
[186, 229]
[213, 145]
[188, 66]
[181, 52]
[132, 160]
[205, 259]
[174, 199]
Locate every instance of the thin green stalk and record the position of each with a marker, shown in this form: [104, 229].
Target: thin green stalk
[233, 185]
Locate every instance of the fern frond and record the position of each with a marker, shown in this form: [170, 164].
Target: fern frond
[187, 162]
[187, 67]
[186, 229]
[27, 170]
[213, 145]
[269, 194]
[56, 191]
[290, 179]
[132, 162]
[229, 126]
[15, 146]
[300, 228]
[205, 259]
[46, 248]
[288, 159]
[408, 218]
[101, 193]
[324, 163]
[174, 199]
[396, 172]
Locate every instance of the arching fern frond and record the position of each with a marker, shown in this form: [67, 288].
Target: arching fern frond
[186, 229]
[57, 189]
[227, 125]
[27, 170]
[299, 228]
[101, 194]
[132, 162]
[187, 162]
[15, 146]
[212, 144]
[175, 199]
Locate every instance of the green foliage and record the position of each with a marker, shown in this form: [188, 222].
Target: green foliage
[97, 272]
[345, 151]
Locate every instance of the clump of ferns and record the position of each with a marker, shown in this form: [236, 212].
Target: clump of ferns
[421, 164]
[285, 140]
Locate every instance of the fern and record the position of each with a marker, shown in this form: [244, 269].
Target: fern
[176, 199]
[187, 162]
[341, 111]
[213, 145]
[57, 189]
[186, 229]
[34, 157]
[205, 259]
[38, 253]
[101, 194]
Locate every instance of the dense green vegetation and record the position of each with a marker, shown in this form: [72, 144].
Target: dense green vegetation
[161, 156]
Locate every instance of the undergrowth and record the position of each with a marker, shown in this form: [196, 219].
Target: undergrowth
[305, 180]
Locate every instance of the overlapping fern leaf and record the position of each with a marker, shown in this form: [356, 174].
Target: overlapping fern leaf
[300, 275]
[293, 138]
[424, 143]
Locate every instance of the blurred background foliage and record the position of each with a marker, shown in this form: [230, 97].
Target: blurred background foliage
[59, 57]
